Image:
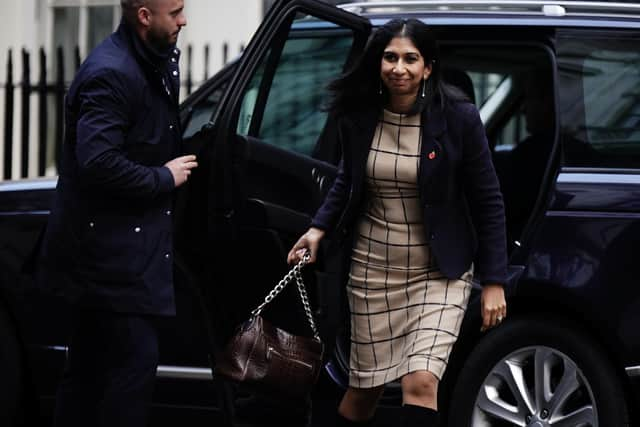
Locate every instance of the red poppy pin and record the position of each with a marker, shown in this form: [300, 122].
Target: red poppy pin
[432, 155]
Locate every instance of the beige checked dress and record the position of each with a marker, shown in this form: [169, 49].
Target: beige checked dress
[405, 315]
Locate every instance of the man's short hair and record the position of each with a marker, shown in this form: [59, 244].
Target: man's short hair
[130, 8]
[132, 4]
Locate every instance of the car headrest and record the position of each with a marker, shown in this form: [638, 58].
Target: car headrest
[459, 79]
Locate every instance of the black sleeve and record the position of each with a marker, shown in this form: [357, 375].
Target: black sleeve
[103, 118]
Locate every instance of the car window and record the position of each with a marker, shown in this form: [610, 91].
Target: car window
[494, 90]
[485, 85]
[284, 102]
[250, 97]
[600, 93]
[203, 110]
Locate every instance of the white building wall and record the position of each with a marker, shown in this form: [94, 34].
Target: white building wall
[215, 23]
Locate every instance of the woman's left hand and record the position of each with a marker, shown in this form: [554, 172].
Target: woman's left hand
[493, 306]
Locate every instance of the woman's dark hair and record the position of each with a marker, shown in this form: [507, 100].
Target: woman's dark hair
[361, 85]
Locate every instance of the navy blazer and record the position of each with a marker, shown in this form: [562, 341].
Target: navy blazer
[108, 243]
[459, 190]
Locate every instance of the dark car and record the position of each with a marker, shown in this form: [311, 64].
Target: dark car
[558, 88]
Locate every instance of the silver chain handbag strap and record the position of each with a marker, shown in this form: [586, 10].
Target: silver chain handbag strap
[294, 273]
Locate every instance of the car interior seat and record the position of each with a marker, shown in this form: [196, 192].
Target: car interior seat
[460, 80]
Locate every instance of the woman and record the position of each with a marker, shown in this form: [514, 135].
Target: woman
[419, 203]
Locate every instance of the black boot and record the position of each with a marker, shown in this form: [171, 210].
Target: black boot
[344, 422]
[419, 416]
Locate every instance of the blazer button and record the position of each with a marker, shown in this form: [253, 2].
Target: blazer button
[137, 229]
[168, 213]
[167, 256]
[433, 236]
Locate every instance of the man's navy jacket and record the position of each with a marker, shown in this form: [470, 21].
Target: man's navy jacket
[108, 243]
[462, 205]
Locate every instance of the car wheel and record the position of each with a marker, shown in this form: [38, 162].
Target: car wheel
[537, 373]
[11, 383]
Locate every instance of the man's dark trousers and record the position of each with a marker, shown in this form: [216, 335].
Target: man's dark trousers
[110, 371]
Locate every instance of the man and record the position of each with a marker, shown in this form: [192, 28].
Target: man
[108, 245]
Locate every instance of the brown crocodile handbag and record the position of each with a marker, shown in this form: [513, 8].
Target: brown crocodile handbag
[270, 360]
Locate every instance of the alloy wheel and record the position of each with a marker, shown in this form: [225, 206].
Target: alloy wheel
[535, 387]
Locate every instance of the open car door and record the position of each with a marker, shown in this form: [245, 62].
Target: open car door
[274, 156]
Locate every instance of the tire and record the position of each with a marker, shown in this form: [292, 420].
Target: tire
[533, 353]
[11, 375]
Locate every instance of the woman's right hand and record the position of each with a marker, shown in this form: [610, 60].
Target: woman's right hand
[309, 241]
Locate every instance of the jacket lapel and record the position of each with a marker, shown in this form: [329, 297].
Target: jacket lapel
[433, 151]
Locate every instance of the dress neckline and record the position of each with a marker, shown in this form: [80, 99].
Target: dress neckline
[400, 117]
